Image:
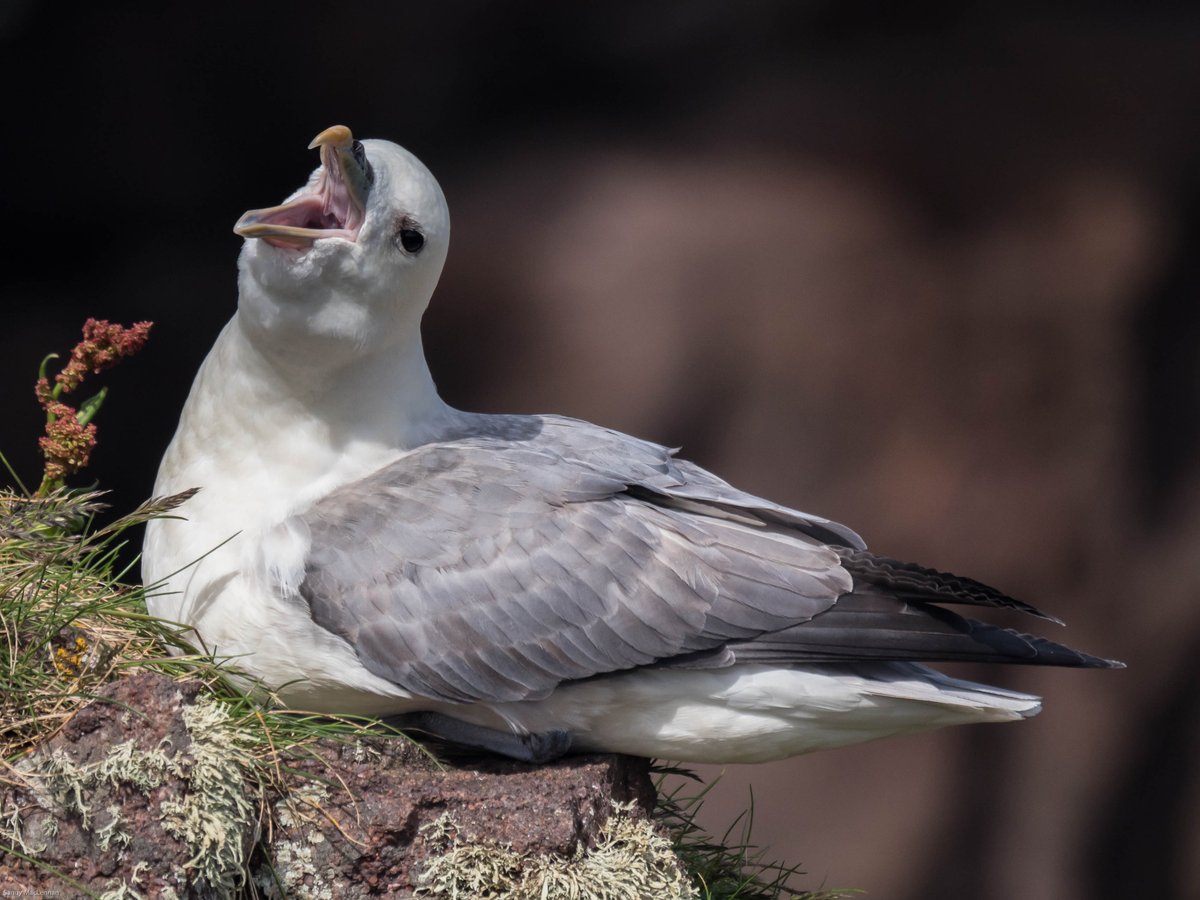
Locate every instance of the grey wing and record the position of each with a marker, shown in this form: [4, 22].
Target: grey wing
[654, 472]
[495, 565]
[491, 569]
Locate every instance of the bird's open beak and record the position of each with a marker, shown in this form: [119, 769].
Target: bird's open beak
[334, 207]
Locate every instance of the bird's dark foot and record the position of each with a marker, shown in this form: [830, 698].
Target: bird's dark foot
[539, 747]
[547, 746]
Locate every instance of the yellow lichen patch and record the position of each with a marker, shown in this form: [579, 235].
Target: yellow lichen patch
[69, 662]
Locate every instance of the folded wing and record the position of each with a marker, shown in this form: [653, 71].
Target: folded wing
[529, 551]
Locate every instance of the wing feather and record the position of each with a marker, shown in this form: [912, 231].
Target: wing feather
[524, 552]
[486, 568]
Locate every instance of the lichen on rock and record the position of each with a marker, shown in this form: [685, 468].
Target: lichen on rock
[629, 859]
[213, 815]
[151, 773]
[156, 773]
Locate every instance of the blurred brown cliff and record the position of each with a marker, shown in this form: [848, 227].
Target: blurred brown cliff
[931, 273]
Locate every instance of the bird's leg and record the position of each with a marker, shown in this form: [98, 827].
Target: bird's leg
[537, 747]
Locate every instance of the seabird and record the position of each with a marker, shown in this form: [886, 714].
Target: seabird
[519, 584]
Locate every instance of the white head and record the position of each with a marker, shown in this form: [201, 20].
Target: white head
[345, 267]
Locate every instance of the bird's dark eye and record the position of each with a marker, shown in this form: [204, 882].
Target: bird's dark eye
[411, 240]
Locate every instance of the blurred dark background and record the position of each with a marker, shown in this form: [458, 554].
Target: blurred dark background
[928, 269]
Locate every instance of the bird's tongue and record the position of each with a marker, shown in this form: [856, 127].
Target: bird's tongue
[333, 208]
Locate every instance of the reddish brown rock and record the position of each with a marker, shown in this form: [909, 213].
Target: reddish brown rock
[108, 801]
[97, 831]
[373, 839]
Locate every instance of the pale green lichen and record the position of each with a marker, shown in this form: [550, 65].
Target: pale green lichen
[211, 817]
[292, 868]
[144, 769]
[295, 872]
[66, 782]
[128, 890]
[211, 813]
[630, 859]
[13, 830]
[60, 784]
[441, 832]
[139, 869]
[120, 890]
[473, 870]
[112, 833]
[67, 785]
[301, 804]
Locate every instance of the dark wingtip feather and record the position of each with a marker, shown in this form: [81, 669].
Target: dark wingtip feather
[914, 582]
[1029, 648]
[875, 625]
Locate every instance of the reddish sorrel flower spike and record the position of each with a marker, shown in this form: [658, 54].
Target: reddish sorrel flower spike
[103, 346]
[70, 435]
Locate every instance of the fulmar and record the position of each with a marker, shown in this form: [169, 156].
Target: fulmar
[520, 584]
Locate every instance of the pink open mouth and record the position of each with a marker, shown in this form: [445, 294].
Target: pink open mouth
[334, 207]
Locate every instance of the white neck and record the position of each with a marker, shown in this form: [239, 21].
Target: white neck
[291, 433]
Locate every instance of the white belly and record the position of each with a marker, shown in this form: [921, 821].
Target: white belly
[754, 713]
